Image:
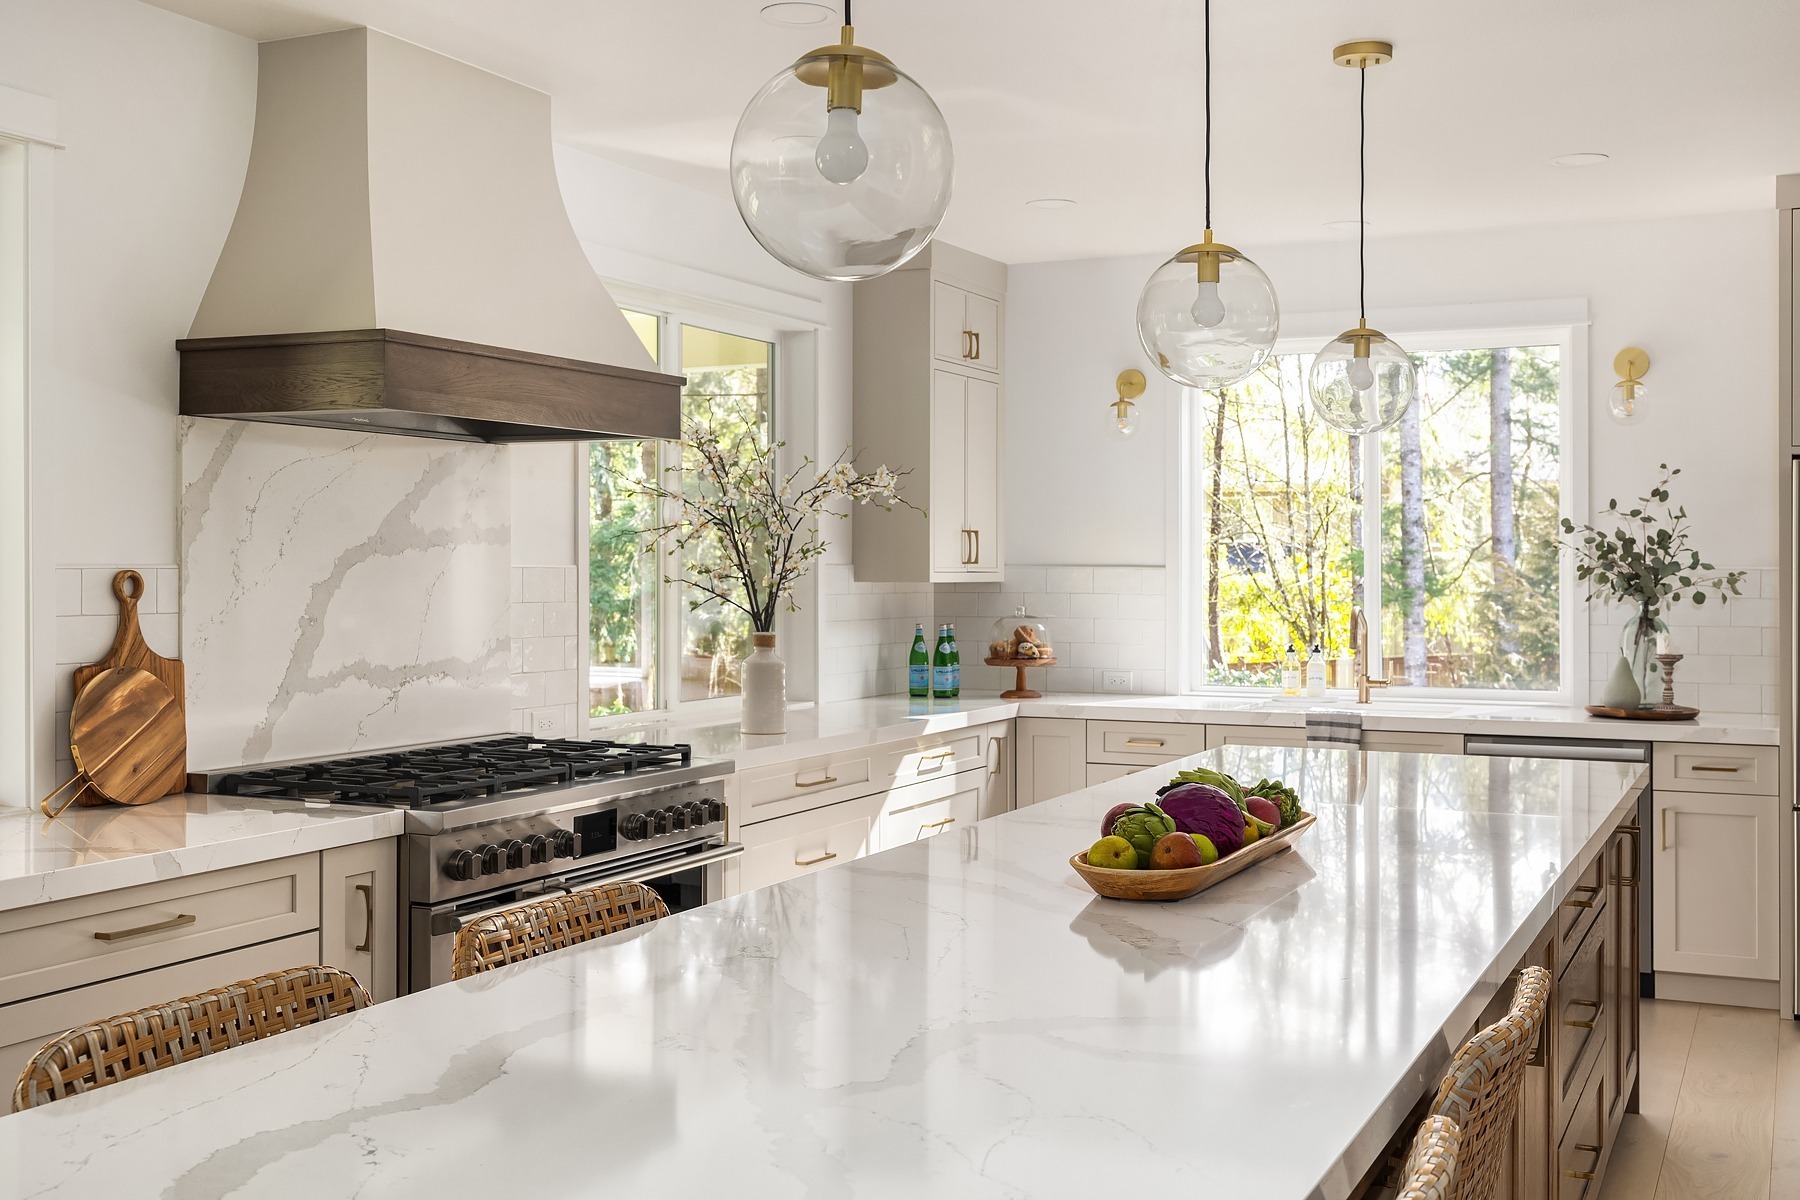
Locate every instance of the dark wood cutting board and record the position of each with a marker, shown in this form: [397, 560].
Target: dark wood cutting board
[130, 650]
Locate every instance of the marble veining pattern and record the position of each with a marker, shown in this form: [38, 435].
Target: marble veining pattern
[340, 591]
[957, 1017]
[90, 850]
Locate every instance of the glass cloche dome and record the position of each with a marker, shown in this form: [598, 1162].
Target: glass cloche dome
[1020, 637]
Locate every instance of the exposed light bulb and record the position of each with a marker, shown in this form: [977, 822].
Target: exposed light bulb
[842, 156]
[1124, 421]
[1362, 375]
[1208, 309]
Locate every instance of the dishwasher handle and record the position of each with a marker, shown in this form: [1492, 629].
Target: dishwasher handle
[1620, 752]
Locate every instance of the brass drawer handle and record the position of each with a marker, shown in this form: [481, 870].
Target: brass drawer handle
[368, 895]
[813, 862]
[1593, 1004]
[1592, 891]
[817, 782]
[1716, 770]
[977, 534]
[938, 755]
[937, 824]
[1630, 880]
[1593, 1150]
[968, 344]
[1155, 743]
[119, 935]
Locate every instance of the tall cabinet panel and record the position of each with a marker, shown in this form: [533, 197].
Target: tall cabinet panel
[929, 401]
[1787, 447]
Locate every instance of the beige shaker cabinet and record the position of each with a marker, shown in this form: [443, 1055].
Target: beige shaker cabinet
[1714, 869]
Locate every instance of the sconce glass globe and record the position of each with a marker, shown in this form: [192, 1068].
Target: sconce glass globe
[1121, 420]
[1625, 403]
[841, 164]
[1362, 381]
[1208, 317]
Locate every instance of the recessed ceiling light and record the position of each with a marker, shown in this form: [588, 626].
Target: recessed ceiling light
[797, 12]
[1050, 202]
[1349, 224]
[1587, 158]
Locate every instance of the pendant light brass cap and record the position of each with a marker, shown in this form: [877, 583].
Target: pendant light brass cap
[814, 67]
[1367, 52]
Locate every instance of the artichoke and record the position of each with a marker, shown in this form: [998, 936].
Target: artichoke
[1141, 826]
[1283, 796]
[1211, 778]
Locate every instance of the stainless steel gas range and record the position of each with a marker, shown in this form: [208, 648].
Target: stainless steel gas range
[498, 820]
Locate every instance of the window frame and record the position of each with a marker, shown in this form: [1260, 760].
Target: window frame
[672, 313]
[1562, 324]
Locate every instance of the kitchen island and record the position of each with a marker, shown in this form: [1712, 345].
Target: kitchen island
[959, 1017]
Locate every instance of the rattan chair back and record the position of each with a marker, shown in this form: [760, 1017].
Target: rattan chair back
[550, 923]
[1430, 1171]
[1480, 1090]
[136, 1043]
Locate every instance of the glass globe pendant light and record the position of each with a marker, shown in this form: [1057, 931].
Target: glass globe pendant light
[1362, 380]
[841, 164]
[1208, 317]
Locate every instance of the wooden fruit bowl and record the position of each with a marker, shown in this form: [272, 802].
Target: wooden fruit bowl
[1189, 881]
[1021, 665]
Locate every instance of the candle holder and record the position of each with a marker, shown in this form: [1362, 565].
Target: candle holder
[1668, 662]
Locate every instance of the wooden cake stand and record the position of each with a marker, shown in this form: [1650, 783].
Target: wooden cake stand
[1021, 665]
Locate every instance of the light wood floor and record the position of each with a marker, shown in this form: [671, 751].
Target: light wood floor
[1720, 1097]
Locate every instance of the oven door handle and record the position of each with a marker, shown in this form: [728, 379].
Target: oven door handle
[450, 922]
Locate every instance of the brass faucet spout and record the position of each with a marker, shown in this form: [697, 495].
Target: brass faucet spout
[1359, 650]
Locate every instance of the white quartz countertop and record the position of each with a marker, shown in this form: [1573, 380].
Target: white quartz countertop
[90, 850]
[957, 1017]
[823, 728]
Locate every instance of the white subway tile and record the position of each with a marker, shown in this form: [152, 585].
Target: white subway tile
[516, 656]
[559, 620]
[1153, 581]
[1068, 679]
[1728, 640]
[65, 691]
[571, 653]
[1146, 608]
[1707, 668]
[1070, 629]
[1068, 579]
[168, 590]
[1103, 655]
[68, 592]
[97, 595]
[1771, 699]
[516, 586]
[1752, 612]
[543, 585]
[1771, 638]
[1115, 579]
[162, 633]
[1142, 658]
[560, 687]
[1048, 604]
[1027, 579]
[528, 620]
[84, 639]
[1757, 670]
[543, 654]
[528, 689]
[1152, 683]
[1726, 697]
[1751, 587]
[1093, 604]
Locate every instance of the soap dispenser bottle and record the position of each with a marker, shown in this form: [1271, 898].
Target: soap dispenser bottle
[1315, 671]
[1290, 672]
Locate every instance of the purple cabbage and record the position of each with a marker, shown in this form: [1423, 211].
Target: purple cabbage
[1204, 809]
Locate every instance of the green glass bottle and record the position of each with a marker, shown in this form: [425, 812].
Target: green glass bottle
[918, 665]
[940, 665]
[955, 663]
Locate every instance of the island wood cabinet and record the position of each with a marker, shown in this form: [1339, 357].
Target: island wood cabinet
[799, 817]
[1715, 836]
[86, 958]
[929, 400]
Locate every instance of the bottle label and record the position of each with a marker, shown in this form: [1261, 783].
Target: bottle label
[941, 680]
[918, 679]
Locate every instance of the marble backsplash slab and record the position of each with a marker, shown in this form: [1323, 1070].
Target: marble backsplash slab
[340, 591]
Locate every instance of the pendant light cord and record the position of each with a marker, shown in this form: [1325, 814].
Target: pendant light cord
[1362, 195]
[1206, 38]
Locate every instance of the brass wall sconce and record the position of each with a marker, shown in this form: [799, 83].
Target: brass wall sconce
[1121, 422]
[1626, 403]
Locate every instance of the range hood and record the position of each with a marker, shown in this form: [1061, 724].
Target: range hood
[401, 261]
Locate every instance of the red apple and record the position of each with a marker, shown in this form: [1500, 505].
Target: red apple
[1174, 852]
[1263, 809]
[1113, 814]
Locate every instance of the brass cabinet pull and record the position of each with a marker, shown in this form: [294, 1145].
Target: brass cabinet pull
[1717, 770]
[1630, 880]
[1665, 829]
[968, 345]
[967, 547]
[368, 895]
[813, 862]
[937, 824]
[1593, 1004]
[119, 935]
[1593, 1150]
[1156, 742]
[1592, 891]
[977, 533]
[938, 759]
[976, 334]
[821, 782]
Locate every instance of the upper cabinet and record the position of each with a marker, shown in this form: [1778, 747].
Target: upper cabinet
[1787, 215]
[930, 400]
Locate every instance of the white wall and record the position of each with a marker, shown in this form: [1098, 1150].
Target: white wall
[1698, 294]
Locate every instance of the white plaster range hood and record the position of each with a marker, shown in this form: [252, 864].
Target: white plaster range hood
[401, 260]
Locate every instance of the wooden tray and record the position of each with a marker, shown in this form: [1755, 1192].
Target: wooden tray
[1190, 881]
[1671, 712]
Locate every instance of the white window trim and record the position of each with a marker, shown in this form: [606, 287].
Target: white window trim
[1563, 323]
[793, 338]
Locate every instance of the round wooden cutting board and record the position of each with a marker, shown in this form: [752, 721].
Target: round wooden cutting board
[126, 730]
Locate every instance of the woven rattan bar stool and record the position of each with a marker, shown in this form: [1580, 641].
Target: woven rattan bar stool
[1430, 1171]
[1480, 1090]
[136, 1043]
[550, 923]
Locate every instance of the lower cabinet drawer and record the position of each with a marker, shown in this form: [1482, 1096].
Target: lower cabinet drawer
[935, 757]
[921, 810]
[27, 1025]
[1142, 743]
[789, 847]
[1254, 735]
[1578, 1008]
[70, 943]
[1102, 772]
[1581, 906]
[1583, 1146]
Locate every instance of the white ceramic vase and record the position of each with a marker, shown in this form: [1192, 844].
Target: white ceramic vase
[763, 680]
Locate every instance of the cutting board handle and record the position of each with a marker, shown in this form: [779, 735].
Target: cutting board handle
[128, 586]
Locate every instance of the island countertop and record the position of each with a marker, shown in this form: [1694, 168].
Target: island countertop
[958, 1017]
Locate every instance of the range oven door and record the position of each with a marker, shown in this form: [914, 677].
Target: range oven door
[684, 879]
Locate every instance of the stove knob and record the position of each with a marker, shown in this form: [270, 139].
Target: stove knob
[696, 814]
[637, 827]
[517, 853]
[539, 845]
[462, 866]
[715, 812]
[660, 822]
[562, 844]
[678, 817]
[493, 861]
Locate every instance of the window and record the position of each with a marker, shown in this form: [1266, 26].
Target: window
[1442, 527]
[648, 650]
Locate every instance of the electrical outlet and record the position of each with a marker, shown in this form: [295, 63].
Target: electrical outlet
[547, 723]
[1115, 681]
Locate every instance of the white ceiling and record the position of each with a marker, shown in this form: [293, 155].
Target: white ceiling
[1698, 105]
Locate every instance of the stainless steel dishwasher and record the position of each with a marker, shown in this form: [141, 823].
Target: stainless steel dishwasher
[1595, 750]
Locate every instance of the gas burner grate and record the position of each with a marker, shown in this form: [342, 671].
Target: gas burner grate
[459, 771]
